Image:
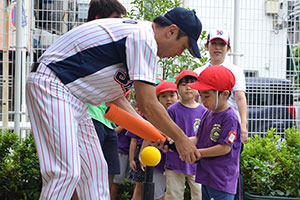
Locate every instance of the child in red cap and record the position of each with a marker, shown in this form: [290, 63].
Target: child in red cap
[166, 93]
[187, 115]
[219, 135]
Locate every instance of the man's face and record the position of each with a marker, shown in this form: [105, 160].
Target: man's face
[170, 46]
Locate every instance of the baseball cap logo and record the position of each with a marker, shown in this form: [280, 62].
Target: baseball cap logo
[219, 32]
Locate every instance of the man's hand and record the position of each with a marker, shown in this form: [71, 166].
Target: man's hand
[160, 144]
[187, 150]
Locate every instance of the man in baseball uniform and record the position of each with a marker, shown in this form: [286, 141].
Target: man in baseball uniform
[94, 63]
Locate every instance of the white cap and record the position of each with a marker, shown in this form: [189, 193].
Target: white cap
[219, 33]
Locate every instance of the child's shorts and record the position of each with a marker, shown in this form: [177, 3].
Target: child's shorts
[124, 169]
[138, 176]
[208, 193]
[109, 143]
[159, 180]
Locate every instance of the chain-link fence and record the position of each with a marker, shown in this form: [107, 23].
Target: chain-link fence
[264, 41]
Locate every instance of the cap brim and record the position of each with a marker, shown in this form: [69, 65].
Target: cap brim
[194, 49]
[199, 86]
[166, 90]
[218, 38]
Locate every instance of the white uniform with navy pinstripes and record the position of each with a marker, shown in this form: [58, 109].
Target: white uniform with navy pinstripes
[90, 64]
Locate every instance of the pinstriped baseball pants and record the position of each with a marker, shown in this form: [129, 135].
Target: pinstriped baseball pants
[69, 150]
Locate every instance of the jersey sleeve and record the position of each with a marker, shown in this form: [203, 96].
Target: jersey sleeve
[230, 132]
[141, 55]
[240, 83]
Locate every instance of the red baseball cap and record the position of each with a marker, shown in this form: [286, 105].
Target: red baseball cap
[165, 86]
[215, 77]
[185, 73]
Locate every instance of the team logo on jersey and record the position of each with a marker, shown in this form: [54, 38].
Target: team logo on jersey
[122, 78]
[130, 21]
[231, 136]
[215, 133]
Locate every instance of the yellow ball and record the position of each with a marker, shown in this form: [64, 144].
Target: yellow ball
[150, 156]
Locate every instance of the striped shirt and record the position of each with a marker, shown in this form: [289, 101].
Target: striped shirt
[98, 60]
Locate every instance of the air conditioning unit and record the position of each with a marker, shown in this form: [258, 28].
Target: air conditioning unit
[272, 7]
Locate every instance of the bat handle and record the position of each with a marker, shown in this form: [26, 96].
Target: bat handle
[171, 146]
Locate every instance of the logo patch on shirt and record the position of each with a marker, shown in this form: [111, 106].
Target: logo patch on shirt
[196, 124]
[231, 136]
[215, 133]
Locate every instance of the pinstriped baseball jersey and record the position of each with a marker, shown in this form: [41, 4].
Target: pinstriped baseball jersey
[98, 61]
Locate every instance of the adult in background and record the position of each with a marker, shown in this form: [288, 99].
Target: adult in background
[218, 45]
[97, 62]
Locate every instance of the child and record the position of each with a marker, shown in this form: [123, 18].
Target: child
[123, 148]
[167, 95]
[219, 136]
[187, 115]
[136, 172]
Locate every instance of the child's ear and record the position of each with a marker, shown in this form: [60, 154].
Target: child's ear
[226, 93]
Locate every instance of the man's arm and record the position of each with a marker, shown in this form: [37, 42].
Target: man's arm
[158, 116]
[241, 101]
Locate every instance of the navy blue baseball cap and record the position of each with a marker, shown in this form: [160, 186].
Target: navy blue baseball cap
[188, 22]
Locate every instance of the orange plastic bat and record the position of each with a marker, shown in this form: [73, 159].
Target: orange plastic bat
[133, 124]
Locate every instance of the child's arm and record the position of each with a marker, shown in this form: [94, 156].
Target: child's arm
[132, 149]
[119, 129]
[217, 150]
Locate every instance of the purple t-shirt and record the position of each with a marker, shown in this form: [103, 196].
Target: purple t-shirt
[188, 119]
[123, 143]
[221, 172]
[132, 135]
[160, 168]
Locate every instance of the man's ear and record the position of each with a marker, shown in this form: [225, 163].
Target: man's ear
[172, 30]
